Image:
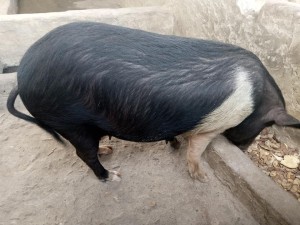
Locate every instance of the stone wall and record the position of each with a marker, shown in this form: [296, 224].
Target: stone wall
[43, 6]
[8, 7]
[20, 31]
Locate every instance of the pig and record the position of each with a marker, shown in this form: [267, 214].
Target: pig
[86, 80]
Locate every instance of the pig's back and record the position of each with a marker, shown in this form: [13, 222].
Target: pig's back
[133, 84]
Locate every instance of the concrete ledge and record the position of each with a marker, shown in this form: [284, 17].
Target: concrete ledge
[20, 31]
[8, 7]
[268, 203]
[1, 67]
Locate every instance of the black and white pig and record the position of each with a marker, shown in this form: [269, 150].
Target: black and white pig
[86, 80]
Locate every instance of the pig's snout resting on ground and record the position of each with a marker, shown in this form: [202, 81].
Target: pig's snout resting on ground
[85, 80]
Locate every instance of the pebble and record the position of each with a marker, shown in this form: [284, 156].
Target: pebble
[273, 173]
[294, 188]
[152, 204]
[275, 163]
[277, 157]
[297, 181]
[290, 161]
[290, 175]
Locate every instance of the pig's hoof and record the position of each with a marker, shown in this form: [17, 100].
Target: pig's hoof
[105, 150]
[114, 175]
[203, 178]
[197, 174]
[175, 144]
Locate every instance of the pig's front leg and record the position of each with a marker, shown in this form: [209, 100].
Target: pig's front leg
[196, 146]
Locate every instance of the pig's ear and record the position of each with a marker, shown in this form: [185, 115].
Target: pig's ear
[282, 118]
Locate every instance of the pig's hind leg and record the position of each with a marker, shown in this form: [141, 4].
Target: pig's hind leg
[174, 143]
[87, 151]
[196, 146]
[86, 143]
[105, 150]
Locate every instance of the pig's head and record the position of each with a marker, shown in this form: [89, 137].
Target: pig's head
[244, 134]
[269, 109]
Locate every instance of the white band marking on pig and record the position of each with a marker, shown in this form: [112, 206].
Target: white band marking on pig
[233, 110]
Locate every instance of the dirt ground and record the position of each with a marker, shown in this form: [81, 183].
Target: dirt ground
[44, 182]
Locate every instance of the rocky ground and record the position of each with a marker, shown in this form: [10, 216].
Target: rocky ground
[277, 160]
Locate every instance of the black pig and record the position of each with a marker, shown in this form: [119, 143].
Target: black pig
[85, 80]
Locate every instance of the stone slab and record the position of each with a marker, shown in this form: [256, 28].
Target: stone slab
[38, 6]
[268, 203]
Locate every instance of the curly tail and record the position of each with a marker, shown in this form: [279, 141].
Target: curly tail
[10, 106]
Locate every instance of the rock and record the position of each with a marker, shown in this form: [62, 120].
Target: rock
[266, 172]
[290, 161]
[258, 137]
[270, 160]
[290, 181]
[263, 153]
[276, 164]
[284, 149]
[152, 204]
[290, 175]
[279, 154]
[272, 145]
[294, 188]
[278, 158]
[286, 185]
[249, 150]
[297, 181]
[264, 132]
[297, 195]
[273, 173]
[264, 146]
